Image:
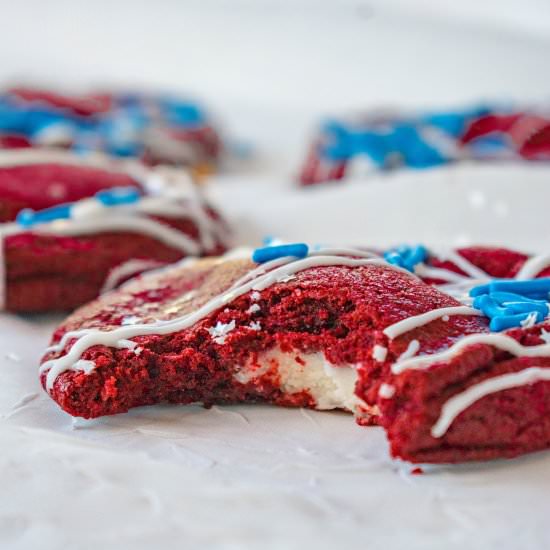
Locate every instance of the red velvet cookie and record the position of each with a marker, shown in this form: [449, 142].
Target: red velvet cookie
[334, 329]
[71, 246]
[223, 331]
[446, 397]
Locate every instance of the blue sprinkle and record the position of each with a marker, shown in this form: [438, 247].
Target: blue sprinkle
[527, 307]
[109, 197]
[181, 113]
[394, 258]
[381, 143]
[28, 217]
[25, 217]
[533, 286]
[297, 250]
[118, 195]
[407, 257]
[509, 302]
[454, 123]
[504, 322]
[480, 290]
[488, 306]
[510, 297]
[417, 255]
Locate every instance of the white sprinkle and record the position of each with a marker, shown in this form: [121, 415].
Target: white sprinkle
[253, 308]
[255, 296]
[138, 350]
[379, 353]
[445, 318]
[255, 325]
[130, 320]
[411, 351]
[13, 357]
[220, 331]
[530, 320]
[386, 391]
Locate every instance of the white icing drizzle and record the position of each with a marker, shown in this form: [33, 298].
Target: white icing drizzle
[81, 365]
[154, 272]
[411, 351]
[533, 266]
[428, 272]
[497, 340]
[128, 344]
[460, 291]
[21, 157]
[341, 251]
[406, 325]
[64, 339]
[87, 338]
[462, 263]
[125, 270]
[530, 269]
[146, 226]
[460, 402]
[262, 269]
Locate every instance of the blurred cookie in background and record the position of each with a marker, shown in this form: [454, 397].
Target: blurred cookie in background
[384, 140]
[76, 226]
[156, 128]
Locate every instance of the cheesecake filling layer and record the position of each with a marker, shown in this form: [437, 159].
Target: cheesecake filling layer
[331, 386]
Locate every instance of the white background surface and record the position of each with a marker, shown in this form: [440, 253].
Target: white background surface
[251, 477]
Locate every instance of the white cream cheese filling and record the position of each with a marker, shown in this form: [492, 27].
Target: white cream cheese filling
[332, 387]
